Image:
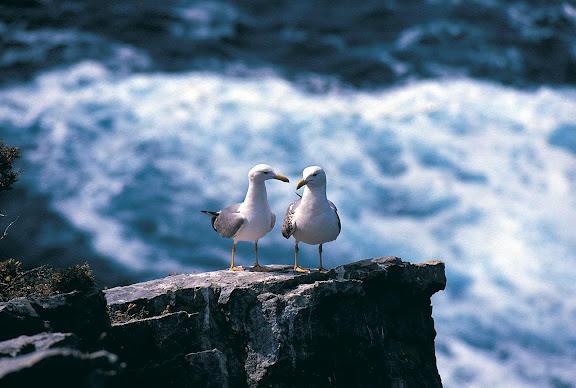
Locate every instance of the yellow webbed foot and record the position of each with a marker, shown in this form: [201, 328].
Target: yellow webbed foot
[236, 268]
[301, 270]
[322, 269]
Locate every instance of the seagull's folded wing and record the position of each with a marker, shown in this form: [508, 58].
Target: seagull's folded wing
[337, 216]
[289, 226]
[229, 221]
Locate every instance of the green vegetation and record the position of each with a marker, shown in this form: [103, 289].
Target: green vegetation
[7, 174]
[8, 156]
[41, 281]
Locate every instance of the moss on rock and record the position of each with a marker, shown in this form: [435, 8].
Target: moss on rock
[42, 281]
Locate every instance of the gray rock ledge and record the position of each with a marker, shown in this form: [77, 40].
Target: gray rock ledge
[364, 324]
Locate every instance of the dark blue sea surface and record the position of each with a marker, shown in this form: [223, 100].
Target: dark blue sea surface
[447, 130]
[366, 44]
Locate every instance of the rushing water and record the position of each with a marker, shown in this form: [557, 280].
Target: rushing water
[447, 130]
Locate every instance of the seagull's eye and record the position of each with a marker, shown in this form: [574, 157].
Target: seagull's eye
[314, 174]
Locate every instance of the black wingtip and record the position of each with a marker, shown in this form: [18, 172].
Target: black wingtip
[213, 215]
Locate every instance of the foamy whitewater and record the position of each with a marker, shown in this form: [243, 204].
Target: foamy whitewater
[479, 175]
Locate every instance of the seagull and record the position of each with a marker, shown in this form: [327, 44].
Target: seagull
[251, 219]
[312, 219]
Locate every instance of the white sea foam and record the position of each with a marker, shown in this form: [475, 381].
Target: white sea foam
[455, 169]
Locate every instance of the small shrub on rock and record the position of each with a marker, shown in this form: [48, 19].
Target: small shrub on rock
[76, 278]
[8, 156]
[42, 281]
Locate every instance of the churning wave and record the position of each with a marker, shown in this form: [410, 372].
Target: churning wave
[369, 44]
[480, 175]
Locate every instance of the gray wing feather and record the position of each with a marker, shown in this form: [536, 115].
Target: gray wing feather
[337, 216]
[289, 226]
[229, 221]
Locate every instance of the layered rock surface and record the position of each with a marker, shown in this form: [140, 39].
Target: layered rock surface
[56, 341]
[364, 324]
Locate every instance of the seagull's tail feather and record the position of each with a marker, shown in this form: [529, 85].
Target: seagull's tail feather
[212, 215]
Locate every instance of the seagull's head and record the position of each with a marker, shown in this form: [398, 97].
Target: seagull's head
[312, 176]
[263, 172]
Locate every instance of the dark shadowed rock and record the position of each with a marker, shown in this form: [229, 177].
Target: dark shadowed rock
[82, 313]
[18, 317]
[365, 324]
[208, 368]
[60, 368]
[28, 344]
[54, 341]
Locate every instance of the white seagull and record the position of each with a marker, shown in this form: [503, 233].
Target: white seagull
[312, 219]
[251, 219]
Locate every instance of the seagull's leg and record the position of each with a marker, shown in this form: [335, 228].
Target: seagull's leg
[320, 254]
[257, 266]
[297, 268]
[232, 266]
[295, 254]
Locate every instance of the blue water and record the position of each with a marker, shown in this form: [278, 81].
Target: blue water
[444, 135]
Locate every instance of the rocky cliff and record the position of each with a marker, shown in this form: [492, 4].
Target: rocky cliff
[364, 324]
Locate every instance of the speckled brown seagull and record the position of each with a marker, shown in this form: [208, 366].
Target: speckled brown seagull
[251, 219]
[312, 219]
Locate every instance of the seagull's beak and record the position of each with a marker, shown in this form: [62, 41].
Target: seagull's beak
[281, 178]
[301, 183]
